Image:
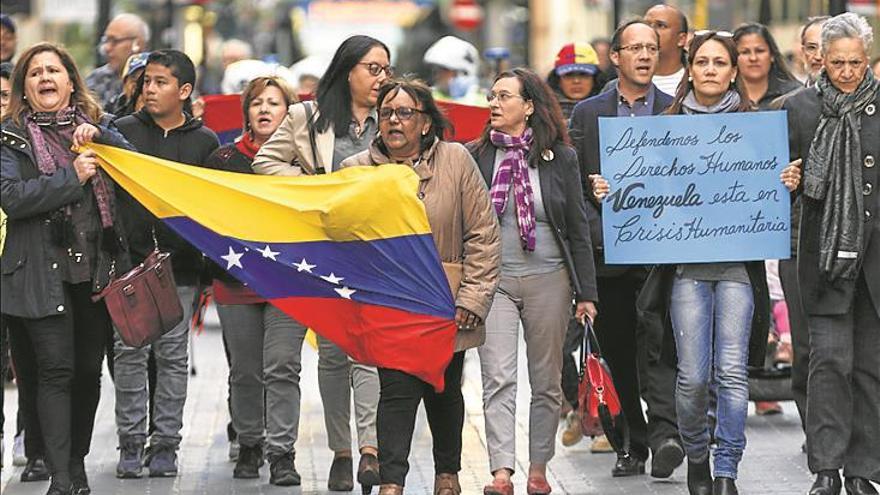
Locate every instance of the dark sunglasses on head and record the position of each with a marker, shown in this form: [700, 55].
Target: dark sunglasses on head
[375, 69]
[402, 113]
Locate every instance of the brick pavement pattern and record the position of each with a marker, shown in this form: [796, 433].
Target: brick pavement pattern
[773, 462]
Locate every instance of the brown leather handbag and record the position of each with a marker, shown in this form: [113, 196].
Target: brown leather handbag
[143, 303]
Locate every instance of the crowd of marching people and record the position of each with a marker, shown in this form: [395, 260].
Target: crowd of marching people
[516, 219]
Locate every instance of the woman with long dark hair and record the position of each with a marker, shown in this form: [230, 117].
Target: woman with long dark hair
[411, 132]
[762, 67]
[63, 240]
[314, 138]
[719, 312]
[546, 262]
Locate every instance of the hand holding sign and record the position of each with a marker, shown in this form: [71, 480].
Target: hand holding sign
[791, 176]
[600, 186]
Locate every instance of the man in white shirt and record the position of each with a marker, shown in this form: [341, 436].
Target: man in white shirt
[672, 25]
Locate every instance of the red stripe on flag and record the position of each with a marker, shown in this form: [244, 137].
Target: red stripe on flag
[380, 336]
[222, 112]
[467, 120]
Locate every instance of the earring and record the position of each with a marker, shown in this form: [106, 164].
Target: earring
[733, 82]
[424, 133]
[690, 79]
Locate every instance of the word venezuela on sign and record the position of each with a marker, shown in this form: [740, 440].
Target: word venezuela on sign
[695, 188]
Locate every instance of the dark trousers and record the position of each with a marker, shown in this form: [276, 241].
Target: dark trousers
[70, 352]
[657, 384]
[615, 328]
[800, 335]
[3, 353]
[570, 376]
[843, 399]
[24, 363]
[399, 400]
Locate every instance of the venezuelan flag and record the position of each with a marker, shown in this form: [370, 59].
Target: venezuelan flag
[349, 254]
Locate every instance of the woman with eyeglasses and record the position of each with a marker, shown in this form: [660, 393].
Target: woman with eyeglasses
[762, 66]
[719, 312]
[314, 138]
[411, 132]
[546, 262]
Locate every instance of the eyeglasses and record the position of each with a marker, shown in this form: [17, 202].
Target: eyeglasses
[375, 69]
[652, 49]
[502, 96]
[709, 32]
[403, 113]
[110, 40]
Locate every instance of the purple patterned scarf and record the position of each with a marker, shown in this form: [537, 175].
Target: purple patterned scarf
[513, 172]
[46, 149]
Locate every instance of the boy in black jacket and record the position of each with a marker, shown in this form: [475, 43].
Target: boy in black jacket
[163, 128]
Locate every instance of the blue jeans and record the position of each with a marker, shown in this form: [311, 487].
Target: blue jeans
[712, 320]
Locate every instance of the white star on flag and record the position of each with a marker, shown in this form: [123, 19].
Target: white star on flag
[304, 266]
[345, 292]
[333, 279]
[232, 259]
[268, 253]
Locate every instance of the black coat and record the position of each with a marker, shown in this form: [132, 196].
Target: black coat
[564, 204]
[821, 297]
[191, 144]
[32, 285]
[584, 131]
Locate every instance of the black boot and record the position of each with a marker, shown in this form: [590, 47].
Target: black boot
[724, 486]
[282, 471]
[341, 478]
[79, 480]
[859, 486]
[827, 483]
[627, 465]
[35, 470]
[699, 478]
[250, 458]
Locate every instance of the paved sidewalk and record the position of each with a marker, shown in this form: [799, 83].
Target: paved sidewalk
[773, 462]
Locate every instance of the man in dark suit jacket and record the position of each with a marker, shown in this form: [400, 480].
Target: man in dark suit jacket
[843, 303]
[634, 50]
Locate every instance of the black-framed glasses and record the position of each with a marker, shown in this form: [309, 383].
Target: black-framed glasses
[375, 69]
[636, 49]
[502, 96]
[402, 113]
[113, 41]
[709, 32]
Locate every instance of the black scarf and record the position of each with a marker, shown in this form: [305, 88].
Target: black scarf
[833, 175]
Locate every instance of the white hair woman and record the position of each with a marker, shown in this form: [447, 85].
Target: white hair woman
[835, 128]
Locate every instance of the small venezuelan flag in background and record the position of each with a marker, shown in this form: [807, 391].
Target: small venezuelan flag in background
[349, 254]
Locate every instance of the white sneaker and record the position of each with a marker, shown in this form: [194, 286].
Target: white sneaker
[18, 457]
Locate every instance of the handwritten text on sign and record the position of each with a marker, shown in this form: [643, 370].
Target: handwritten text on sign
[695, 188]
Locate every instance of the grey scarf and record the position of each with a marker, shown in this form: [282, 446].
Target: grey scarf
[728, 103]
[833, 175]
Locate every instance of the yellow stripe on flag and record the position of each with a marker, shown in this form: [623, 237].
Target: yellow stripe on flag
[342, 206]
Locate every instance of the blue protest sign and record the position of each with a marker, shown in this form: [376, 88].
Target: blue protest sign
[695, 188]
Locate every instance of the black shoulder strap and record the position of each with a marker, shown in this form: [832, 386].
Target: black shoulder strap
[319, 169]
